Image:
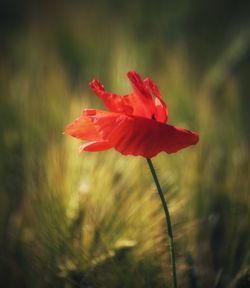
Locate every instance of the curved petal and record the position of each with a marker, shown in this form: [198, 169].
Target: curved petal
[83, 129]
[140, 99]
[138, 103]
[95, 146]
[131, 135]
[113, 102]
[161, 108]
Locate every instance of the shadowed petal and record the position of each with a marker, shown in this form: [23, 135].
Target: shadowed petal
[141, 99]
[161, 108]
[131, 135]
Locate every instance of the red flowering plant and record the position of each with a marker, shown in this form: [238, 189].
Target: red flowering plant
[135, 124]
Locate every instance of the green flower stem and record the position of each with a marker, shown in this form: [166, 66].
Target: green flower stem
[168, 220]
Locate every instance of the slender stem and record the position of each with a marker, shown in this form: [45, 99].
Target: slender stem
[168, 220]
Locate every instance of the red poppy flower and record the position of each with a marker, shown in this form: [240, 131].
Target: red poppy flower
[134, 125]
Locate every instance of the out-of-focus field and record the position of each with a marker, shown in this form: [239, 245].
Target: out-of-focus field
[95, 220]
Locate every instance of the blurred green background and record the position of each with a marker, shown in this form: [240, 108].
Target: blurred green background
[95, 220]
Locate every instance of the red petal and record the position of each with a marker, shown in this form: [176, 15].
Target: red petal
[82, 128]
[95, 146]
[161, 108]
[138, 103]
[131, 135]
[108, 124]
[141, 99]
[113, 102]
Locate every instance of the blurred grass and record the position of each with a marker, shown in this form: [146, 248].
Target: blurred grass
[94, 220]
